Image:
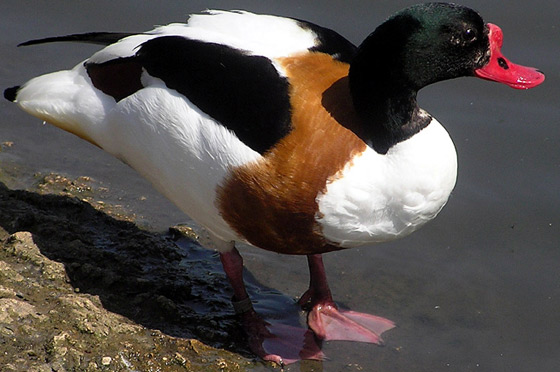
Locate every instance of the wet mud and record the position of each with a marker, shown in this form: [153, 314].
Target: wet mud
[84, 288]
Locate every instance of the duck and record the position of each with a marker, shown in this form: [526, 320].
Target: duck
[281, 134]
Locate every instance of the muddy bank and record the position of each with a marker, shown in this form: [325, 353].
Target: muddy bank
[83, 288]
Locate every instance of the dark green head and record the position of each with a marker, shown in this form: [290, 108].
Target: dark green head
[417, 46]
[426, 43]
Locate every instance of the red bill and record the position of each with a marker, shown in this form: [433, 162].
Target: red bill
[500, 69]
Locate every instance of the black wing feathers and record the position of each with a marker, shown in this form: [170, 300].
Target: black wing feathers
[102, 38]
[118, 77]
[245, 93]
[330, 42]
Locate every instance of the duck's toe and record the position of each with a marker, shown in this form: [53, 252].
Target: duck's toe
[330, 323]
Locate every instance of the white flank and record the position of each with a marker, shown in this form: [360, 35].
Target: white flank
[378, 198]
[183, 152]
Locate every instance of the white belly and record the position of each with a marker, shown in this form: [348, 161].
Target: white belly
[378, 198]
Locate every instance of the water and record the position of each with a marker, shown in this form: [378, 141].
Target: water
[478, 289]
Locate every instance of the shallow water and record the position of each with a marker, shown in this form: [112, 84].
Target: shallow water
[477, 289]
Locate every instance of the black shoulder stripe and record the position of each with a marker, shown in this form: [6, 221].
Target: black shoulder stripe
[103, 38]
[330, 42]
[118, 77]
[244, 93]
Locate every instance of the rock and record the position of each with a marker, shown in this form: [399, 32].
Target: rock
[83, 291]
[14, 310]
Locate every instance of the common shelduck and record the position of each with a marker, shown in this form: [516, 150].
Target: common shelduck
[282, 134]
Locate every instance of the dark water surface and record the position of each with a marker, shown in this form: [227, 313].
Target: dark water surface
[478, 289]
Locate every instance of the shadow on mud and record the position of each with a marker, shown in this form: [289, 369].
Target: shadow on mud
[161, 281]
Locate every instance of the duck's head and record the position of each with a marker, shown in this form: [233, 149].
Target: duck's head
[418, 46]
[431, 42]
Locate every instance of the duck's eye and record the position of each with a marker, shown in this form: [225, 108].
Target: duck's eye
[464, 37]
[469, 34]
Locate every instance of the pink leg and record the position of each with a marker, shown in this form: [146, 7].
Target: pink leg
[279, 343]
[330, 323]
[318, 286]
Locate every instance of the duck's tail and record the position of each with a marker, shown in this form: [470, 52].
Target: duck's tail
[67, 99]
[11, 93]
[100, 38]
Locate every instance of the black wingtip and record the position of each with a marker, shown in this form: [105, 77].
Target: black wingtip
[11, 93]
[102, 38]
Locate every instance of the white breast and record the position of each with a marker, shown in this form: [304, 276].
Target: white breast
[378, 198]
